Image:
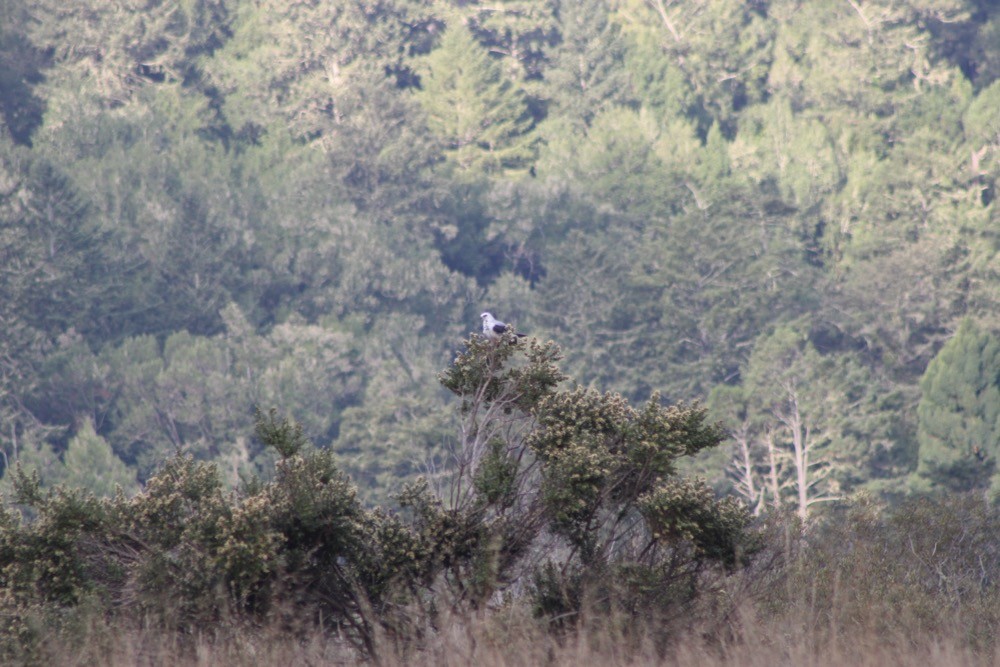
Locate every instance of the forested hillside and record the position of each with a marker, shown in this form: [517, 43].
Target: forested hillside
[784, 208]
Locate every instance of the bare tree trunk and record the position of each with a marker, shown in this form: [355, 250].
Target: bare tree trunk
[742, 467]
[665, 17]
[800, 457]
[807, 489]
[773, 469]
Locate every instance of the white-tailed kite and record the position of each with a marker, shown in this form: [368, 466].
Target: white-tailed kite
[494, 328]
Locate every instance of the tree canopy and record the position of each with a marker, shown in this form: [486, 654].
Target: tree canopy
[224, 205]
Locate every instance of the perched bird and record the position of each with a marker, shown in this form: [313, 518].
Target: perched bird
[494, 328]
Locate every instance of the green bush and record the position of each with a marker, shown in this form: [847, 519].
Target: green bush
[573, 490]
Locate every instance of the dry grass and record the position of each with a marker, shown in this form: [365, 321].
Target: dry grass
[515, 639]
[917, 587]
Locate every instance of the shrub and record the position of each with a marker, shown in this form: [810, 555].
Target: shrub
[571, 494]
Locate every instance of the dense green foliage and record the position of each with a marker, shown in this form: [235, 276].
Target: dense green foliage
[222, 204]
[567, 494]
[216, 212]
[959, 411]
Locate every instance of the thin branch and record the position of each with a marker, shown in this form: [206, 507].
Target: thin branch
[662, 11]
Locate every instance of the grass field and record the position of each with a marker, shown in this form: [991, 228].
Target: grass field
[914, 585]
[500, 641]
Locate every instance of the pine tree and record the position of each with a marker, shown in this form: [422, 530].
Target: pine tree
[587, 74]
[89, 463]
[958, 418]
[520, 30]
[480, 115]
[720, 49]
[20, 65]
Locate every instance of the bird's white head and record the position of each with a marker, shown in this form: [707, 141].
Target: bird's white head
[489, 324]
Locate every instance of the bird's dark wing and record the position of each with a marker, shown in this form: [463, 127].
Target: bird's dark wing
[499, 327]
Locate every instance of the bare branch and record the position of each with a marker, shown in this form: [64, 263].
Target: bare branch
[662, 11]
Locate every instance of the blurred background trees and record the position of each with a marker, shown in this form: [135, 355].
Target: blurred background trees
[224, 204]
